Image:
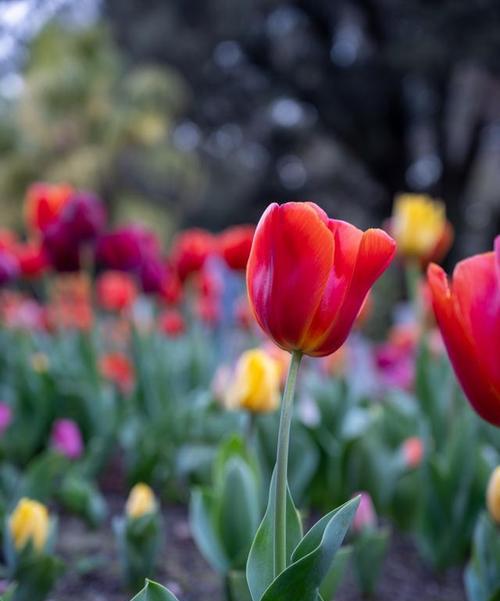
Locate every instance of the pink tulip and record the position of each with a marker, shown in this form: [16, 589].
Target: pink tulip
[366, 517]
[67, 439]
[5, 417]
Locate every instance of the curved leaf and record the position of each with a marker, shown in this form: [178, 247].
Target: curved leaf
[260, 565]
[153, 591]
[201, 512]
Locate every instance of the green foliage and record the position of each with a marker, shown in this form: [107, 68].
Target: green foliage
[153, 591]
[482, 576]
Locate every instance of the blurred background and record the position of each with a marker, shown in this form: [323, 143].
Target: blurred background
[189, 112]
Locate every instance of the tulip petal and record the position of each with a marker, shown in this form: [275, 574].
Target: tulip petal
[288, 269]
[376, 250]
[476, 293]
[461, 348]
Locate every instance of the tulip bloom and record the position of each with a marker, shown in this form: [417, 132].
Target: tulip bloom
[255, 385]
[116, 291]
[141, 501]
[67, 439]
[32, 259]
[118, 369]
[420, 228]
[413, 451]
[29, 523]
[5, 417]
[124, 248]
[467, 310]
[44, 204]
[84, 215]
[190, 250]
[235, 244]
[493, 496]
[308, 275]
[9, 267]
[172, 323]
[366, 516]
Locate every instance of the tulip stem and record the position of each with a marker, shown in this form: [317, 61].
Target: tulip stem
[280, 555]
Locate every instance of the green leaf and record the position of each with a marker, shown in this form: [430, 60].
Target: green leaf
[369, 554]
[154, 592]
[238, 511]
[238, 587]
[313, 557]
[260, 565]
[201, 512]
[334, 577]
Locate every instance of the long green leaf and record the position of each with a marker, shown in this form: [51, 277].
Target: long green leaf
[153, 591]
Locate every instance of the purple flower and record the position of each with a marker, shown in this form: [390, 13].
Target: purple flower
[9, 267]
[67, 439]
[85, 216]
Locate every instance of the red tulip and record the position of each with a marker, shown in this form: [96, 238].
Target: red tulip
[190, 250]
[116, 290]
[44, 203]
[171, 289]
[308, 275]
[32, 259]
[235, 244]
[172, 323]
[467, 310]
[122, 249]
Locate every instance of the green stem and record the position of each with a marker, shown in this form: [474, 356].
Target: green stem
[413, 274]
[280, 557]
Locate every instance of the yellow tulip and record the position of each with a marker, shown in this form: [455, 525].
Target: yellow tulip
[493, 495]
[255, 384]
[141, 501]
[29, 522]
[40, 363]
[418, 224]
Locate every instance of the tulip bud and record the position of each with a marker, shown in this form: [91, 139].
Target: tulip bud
[255, 384]
[493, 495]
[40, 362]
[116, 290]
[117, 368]
[44, 203]
[413, 451]
[67, 439]
[29, 523]
[141, 501]
[366, 517]
[172, 323]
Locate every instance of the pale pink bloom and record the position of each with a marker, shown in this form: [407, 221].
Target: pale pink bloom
[413, 451]
[5, 417]
[366, 517]
[67, 439]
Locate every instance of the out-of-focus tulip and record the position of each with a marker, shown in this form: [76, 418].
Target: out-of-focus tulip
[40, 362]
[255, 384]
[151, 274]
[29, 522]
[141, 501]
[395, 365]
[60, 248]
[366, 516]
[171, 289]
[336, 364]
[234, 245]
[308, 275]
[8, 239]
[44, 204]
[67, 439]
[5, 417]
[9, 267]
[117, 368]
[116, 290]
[172, 323]
[33, 261]
[84, 215]
[243, 313]
[468, 314]
[493, 495]
[190, 250]
[413, 451]
[419, 226]
[125, 248]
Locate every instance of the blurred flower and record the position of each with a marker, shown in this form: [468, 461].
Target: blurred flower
[29, 522]
[124, 248]
[208, 283]
[141, 501]
[255, 383]
[171, 289]
[117, 368]
[395, 365]
[116, 290]
[190, 250]
[308, 275]
[33, 261]
[413, 451]
[44, 203]
[468, 314]
[172, 323]
[9, 267]
[70, 305]
[419, 226]
[20, 312]
[84, 216]
[151, 274]
[40, 362]
[61, 248]
[234, 245]
[8, 239]
[493, 495]
[5, 417]
[67, 439]
[366, 516]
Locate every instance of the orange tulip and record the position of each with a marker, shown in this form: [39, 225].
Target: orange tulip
[468, 314]
[308, 275]
[117, 368]
[44, 204]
